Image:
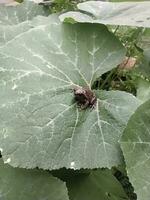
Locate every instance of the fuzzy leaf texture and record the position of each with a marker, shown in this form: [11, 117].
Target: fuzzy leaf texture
[41, 125]
[29, 185]
[135, 144]
[124, 13]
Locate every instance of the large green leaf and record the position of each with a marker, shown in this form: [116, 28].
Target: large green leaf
[125, 13]
[22, 184]
[40, 122]
[135, 144]
[99, 185]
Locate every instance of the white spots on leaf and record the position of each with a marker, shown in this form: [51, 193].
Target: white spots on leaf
[3, 105]
[1, 150]
[5, 136]
[4, 82]
[72, 165]
[4, 132]
[7, 161]
[14, 87]
[21, 59]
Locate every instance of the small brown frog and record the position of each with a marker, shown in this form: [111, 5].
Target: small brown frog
[84, 97]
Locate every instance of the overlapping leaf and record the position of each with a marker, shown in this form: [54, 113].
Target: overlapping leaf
[40, 122]
[8, 2]
[23, 12]
[30, 184]
[16, 20]
[125, 13]
[100, 184]
[135, 144]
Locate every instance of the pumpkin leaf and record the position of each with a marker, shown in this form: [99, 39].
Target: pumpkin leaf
[135, 145]
[123, 13]
[40, 123]
[30, 184]
[100, 184]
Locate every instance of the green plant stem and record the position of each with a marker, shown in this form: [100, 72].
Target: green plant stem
[116, 29]
[106, 80]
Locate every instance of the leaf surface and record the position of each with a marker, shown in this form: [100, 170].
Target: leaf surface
[16, 20]
[11, 32]
[100, 184]
[135, 144]
[29, 185]
[40, 122]
[124, 13]
[11, 15]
